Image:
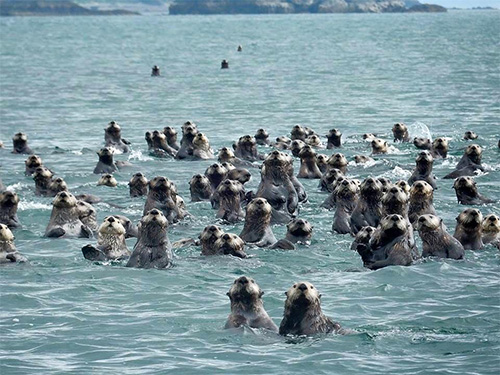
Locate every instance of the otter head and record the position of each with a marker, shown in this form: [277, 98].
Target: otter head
[42, 174]
[227, 166]
[302, 296]
[313, 140]
[239, 174]
[307, 152]
[283, 140]
[244, 290]
[369, 137]
[276, 159]
[470, 219]
[107, 180]
[5, 234]
[379, 146]
[170, 133]
[113, 129]
[259, 206]
[138, 179]
[230, 187]
[58, 184]
[474, 153]
[298, 132]
[64, 199]
[296, 146]
[360, 159]
[364, 234]
[299, 228]
[491, 224]
[201, 142]
[261, 136]
[424, 158]
[19, 141]
[158, 139]
[334, 135]
[33, 161]
[346, 188]
[85, 210]
[247, 142]
[422, 143]
[386, 183]
[421, 189]
[160, 184]
[371, 188]
[400, 131]
[8, 199]
[393, 195]
[394, 225]
[199, 180]
[231, 244]
[469, 135]
[105, 155]
[403, 185]
[226, 154]
[189, 130]
[428, 223]
[332, 175]
[211, 233]
[465, 184]
[112, 226]
[321, 160]
[153, 227]
[337, 160]
[440, 144]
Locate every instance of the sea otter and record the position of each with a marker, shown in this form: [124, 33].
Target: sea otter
[362, 239]
[160, 147]
[257, 228]
[368, 210]
[395, 201]
[282, 143]
[400, 132]
[346, 199]
[338, 161]
[189, 130]
[303, 314]
[9, 202]
[171, 135]
[329, 178]
[491, 230]
[138, 185]
[113, 138]
[247, 308]
[65, 218]
[321, 162]
[208, 238]
[200, 189]
[379, 146]
[423, 169]
[296, 146]
[403, 185]
[8, 251]
[436, 242]
[421, 201]
[334, 137]
[162, 195]
[201, 147]
[362, 159]
[299, 230]
[111, 243]
[241, 175]
[42, 178]
[216, 173]
[469, 229]
[470, 135]
[246, 149]
[230, 194]
[422, 143]
[262, 137]
[469, 164]
[107, 180]
[440, 148]
[226, 155]
[56, 186]
[106, 164]
[153, 249]
[308, 164]
[20, 144]
[467, 193]
[230, 244]
[314, 141]
[298, 132]
[32, 163]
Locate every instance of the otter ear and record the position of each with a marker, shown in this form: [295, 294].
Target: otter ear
[234, 146]
[229, 295]
[261, 293]
[286, 294]
[319, 296]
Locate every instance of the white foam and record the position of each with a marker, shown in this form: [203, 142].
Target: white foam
[23, 206]
[397, 173]
[138, 155]
[17, 187]
[419, 129]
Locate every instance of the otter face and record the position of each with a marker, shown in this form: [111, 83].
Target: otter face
[474, 152]
[491, 224]
[370, 186]
[337, 160]
[200, 141]
[260, 206]
[20, 138]
[422, 142]
[211, 233]
[199, 180]
[424, 157]
[154, 218]
[261, 135]
[112, 225]
[421, 188]
[321, 159]
[5, 234]
[216, 169]
[170, 132]
[42, 173]
[226, 154]
[242, 175]
[394, 194]
[107, 180]
[334, 133]
[58, 185]
[284, 140]
[465, 183]
[189, 130]
[160, 183]
[428, 223]
[64, 199]
[8, 199]
[470, 218]
[276, 158]
[297, 145]
[364, 234]
[360, 159]
[313, 140]
[395, 225]
[403, 185]
[85, 210]
[386, 183]
[228, 166]
[231, 244]
[369, 137]
[105, 152]
[379, 146]
[244, 288]
[400, 131]
[332, 175]
[158, 138]
[440, 144]
[307, 152]
[113, 128]
[33, 161]
[138, 179]
[470, 135]
[299, 228]
[247, 141]
[302, 294]
[345, 187]
[230, 187]
[298, 132]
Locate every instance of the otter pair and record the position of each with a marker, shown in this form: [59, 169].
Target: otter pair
[302, 314]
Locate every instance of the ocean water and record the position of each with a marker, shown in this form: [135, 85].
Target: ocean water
[63, 79]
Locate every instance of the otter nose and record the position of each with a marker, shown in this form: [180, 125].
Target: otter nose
[394, 218]
[243, 280]
[212, 228]
[421, 219]
[492, 218]
[226, 237]
[63, 195]
[155, 212]
[111, 219]
[474, 213]
[302, 287]
[260, 202]
[394, 190]
[370, 181]
[275, 153]
[345, 182]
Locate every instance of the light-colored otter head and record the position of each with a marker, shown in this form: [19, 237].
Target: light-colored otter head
[440, 144]
[5, 234]
[379, 146]
[201, 142]
[332, 175]
[299, 228]
[313, 140]
[296, 146]
[8, 199]
[247, 141]
[424, 157]
[160, 184]
[394, 225]
[428, 223]
[364, 234]
[226, 154]
[361, 159]
[400, 131]
[465, 183]
[158, 138]
[386, 183]
[231, 244]
[470, 218]
[211, 233]
[302, 295]
[64, 199]
[491, 224]
[33, 161]
[403, 185]
[470, 135]
[20, 137]
[228, 166]
[394, 194]
[474, 152]
[154, 218]
[107, 180]
[259, 206]
[337, 160]
[334, 133]
[284, 140]
[371, 187]
[58, 184]
[307, 152]
[276, 158]
[298, 132]
[369, 137]
[105, 152]
[112, 226]
[85, 210]
[199, 180]
[421, 189]
[346, 188]
[138, 179]
[170, 132]
[42, 173]
[261, 135]
[189, 129]
[244, 290]
[321, 160]
[422, 143]
[239, 174]
[230, 188]
[113, 128]
[216, 170]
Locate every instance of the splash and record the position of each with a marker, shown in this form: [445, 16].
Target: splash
[420, 130]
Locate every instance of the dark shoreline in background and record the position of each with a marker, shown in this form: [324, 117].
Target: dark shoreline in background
[12, 8]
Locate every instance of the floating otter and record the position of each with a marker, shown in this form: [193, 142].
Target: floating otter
[149, 140]
[467, 193]
[262, 137]
[200, 189]
[368, 210]
[469, 163]
[440, 148]
[162, 195]
[338, 161]
[138, 185]
[65, 218]
[241, 175]
[107, 180]
[224, 64]
[230, 244]
[226, 155]
[9, 202]
[159, 146]
[282, 143]
[334, 137]
[229, 194]
[421, 201]
[362, 239]
[32, 163]
[327, 182]
[314, 141]
[246, 149]
[468, 229]
[155, 71]
[321, 162]
[379, 146]
[395, 201]
[208, 238]
[247, 308]
[403, 185]
[423, 169]
[362, 159]
[298, 132]
[20, 144]
[390, 244]
[189, 130]
[303, 314]
[171, 135]
[436, 242]
[153, 249]
[299, 230]
[216, 173]
[56, 186]
[106, 164]
[296, 146]
[491, 230]
[113, 138]
[346, 200]
[42, 178]
[470, 135]
[369, 137]
[257, 229]
[87, 215]
[240, 48]
[201, 147]
[308, 164]
[111, 243]
[422, 143]
[8, 251]
[400, 132]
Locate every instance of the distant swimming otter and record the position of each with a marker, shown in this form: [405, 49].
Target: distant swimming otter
[246, 149]
[491, 230]
[155, 71]
[87, 215]
[171, 135]
[111, 243]
[338, 161]
[224, 64]
[56, 186]
[436, 242]
[153, 249]
[314, 141]
[362, 159]
[106, 164]
[247, 308]
[257, 227]
[308, 164]
[362, 239]
[303, 314]
[390, 244]
[296, 146]
[8, 251]
[230, 194]
[467, 193]
[327, 182]
[379, 146]
[369, 137]
[395, 201]
[298, 132]
[32, 163]
[440, 148]
[20, 144]
[107, 180]
[346, 199]
[400, 132]
[321, 162]
[334, 137]
[138, 185]
[149, 140]
[216, 173]
[113, 138]
[189, 130]
[421, 201]
[282, 143]
[468, 229]
[231, 244]
[469, 163]
[160, 147]
[299, 230]
[162, 196]
[422, 143]
[226, 155]
[368, 210]
[262, 137]
[470, 135]
[42, 178]
[423, 169]
[199, 187]
[9, 202]
[65, 218]
[240, 48]
[241, 175]
[208, 238]
[201, 147]
[331, 201]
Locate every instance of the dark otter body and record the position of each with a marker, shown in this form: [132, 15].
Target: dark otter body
[106, 164]
[469, 229]
[334, 137]
[138, 185]
[247, 308]
[467, 193]
[436, 242]
[246, 149]
[368, 210]
[469, 164]
[400, 132]
[346, 200]
[262, 137]
[20, 144]
[162, 196]
[308, 164]
[230, 194]
[421, 201]
[257, 228]
[153, 249]
[9, 202]
[113, 138]
[200, 189]
[303, 314]
[423, 169]
[189, 130]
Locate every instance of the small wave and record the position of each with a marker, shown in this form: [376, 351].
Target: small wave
[397, 172]
[420, 130]
[138, 155]
[18, 186]
[23, 206]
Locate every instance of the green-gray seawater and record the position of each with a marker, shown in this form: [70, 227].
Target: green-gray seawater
[63, 79]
